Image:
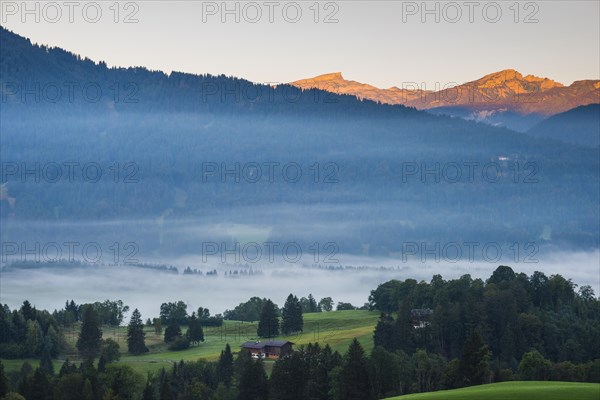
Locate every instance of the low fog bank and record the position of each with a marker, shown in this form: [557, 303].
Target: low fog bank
[351, 280]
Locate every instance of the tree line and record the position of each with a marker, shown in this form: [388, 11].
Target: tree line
[311, 372]
[430, 336]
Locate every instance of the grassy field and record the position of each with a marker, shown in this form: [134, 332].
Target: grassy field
[336, 328]
[515, 391]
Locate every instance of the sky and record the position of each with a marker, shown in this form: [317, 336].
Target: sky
[384, 43]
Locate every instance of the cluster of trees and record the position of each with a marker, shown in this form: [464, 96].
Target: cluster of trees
[174, 314]
[109, 312]
[72, 381]
[511, 315]
[179, 341]
[312, 372]
[157, 267]
[243, 272]
[292, 321]
[177, 311]
[343, 306]
[397, 373]
[28, 332]
[271, 319]
[91, 345]
[250, 310]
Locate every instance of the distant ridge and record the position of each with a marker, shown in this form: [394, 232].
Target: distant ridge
[335, 82]
[505, 97]
[580, 125]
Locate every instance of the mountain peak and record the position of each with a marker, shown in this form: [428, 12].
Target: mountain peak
[501, 76]
[512, 79]
[332, 76]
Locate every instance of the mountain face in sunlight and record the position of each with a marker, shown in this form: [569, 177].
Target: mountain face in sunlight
[335, 83]
[504, 98]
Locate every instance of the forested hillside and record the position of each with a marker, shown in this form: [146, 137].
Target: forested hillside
[144, 145]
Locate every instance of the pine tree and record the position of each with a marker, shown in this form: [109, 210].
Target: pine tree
[27, 310]
[354, 382]
[292, 316]
[289, 378]
[67, 368]
[195, 333]
[3, 381]
[46, 360]
[404, 329]
[312, 304]
[268, 325]
[298, 319]
[135, 334]
[149, 392]
[35, 338]
[102, 363]
[252, 379]
[164, 386]
[158, 329]
[317, 374]
[385, 333]
[474, 362]
[87, 392]
[110, 350]
[173, 332]
[225, 366]
[90, 336]
[39, 387]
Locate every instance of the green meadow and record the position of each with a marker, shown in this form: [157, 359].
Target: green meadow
[336, 328]
[514, 391]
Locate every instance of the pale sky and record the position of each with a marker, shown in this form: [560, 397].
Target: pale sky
[384, 43]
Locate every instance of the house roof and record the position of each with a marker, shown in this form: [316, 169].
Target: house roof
[260, 345]
[421, 312]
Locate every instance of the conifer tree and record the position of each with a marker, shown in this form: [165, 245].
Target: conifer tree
[90, 337]
[173, 332]
[195, 333]
[225, 366]
[3, 381]
[252, 379]
[268, 325]
[46, 360]
[135, 334]
[474, 363]
[292, 316]
[354, 382]
[289, 378]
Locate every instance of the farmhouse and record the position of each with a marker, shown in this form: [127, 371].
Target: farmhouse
[271, 349]
[421, 317]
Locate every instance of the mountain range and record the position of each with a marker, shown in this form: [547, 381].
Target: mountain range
[504, 98]
[371, 176]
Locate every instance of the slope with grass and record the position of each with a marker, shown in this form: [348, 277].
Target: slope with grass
[514, 391]
[336, 328]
